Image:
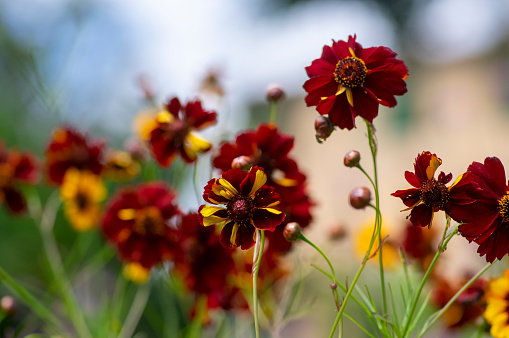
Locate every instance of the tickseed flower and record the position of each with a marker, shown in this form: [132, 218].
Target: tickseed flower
[390, 255]
[16, 168]
[419, 245]
[486, 221]
[137, 222]
[82, 193]
[249, 205]
[174, 132]
[349, 81]
[430, 195]
[68, 148]
[497, 309]
[120, 166]
[136, 272]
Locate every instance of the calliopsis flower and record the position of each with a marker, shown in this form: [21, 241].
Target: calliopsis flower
[248, 205]
[430, 195]
[138, 222]
[486, 221]
[419, 245]
[120, 166]
[349, 80]
[82, 193]
[69, 148]
[16, 168]
[174, 132]
[497, 309]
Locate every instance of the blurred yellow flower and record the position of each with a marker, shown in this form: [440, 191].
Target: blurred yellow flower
[82, 192]
[120, 166]
[497, 309]
[390, 255]
[136, 272]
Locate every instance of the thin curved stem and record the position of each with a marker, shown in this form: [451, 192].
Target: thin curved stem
[257, 257]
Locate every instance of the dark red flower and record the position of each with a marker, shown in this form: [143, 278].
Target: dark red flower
[70, 148]
[349, 81]
[174, 132]
[248, 205]
[16, 168]
[138, 222]
[486, 221]
[430, 195]
[419, 245]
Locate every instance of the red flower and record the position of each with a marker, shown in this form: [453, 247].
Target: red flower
[173, 132]
[430, 195]
[349, 80]
[248, 204]
[70, 148]
[137, 222]
[15, 168]
[419, 244]
[486, 221]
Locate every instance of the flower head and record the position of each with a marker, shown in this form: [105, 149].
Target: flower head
[82, 193]
[173, 132]
[16, 168]
[248, 205]
[68, 148]
[497, 309]
[428, 194]
[349, 81]
[486, 221]
[120, 166]
[137, 222]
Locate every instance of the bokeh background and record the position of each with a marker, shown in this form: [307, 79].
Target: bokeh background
[82, 62]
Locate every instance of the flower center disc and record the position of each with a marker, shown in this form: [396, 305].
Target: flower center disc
[434, 194]
[240, 209]
[350, 72]
[503, 207]
[149, 222]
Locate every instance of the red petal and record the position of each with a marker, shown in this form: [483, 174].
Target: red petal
[421, 215]
[266, 220]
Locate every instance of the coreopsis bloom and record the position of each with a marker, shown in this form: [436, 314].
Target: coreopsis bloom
[486, 221]
[82, 193]
[174, 132]
[16, 168]
[419, 245]
[248, 205]
[138, 222]
[349, 81]
[120, 166]
[69, 148]
[430, 195]
[497, 309]
[390, 256]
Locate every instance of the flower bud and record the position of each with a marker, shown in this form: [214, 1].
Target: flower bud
[337, 232]
[292, 232]
[360, 197]
[333, 286]
[274, 93]
[8, 305]
[323, 127]
[242, 162]
[352, 158]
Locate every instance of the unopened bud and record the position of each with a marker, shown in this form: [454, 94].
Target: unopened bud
[8, 305]
[323, 128]
[333, 286]
[242, 162]
[274, 93]
[360, 197]
[292, 232]
[352, 158]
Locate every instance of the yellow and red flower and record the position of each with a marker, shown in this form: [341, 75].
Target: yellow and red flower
[486, 221]
[248, 205]
[349, 81]
[16, 168]
[497, 309]
[120, 166]
[69, 148]
[174, 132]
[430, 195]
[137, 222]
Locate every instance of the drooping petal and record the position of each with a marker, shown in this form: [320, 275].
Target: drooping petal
[421, 215]
[410, 197]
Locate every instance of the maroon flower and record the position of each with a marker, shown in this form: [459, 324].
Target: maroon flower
[137, 222]
[430, 195]
[419, 244]
[16, 168]
[70, 148]
[486, 221]
[248, 205]
[349, 80]
[173, 132]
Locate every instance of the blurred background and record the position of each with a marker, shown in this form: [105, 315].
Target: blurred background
[87, 62]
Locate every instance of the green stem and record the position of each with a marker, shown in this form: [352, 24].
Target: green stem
[302, 237]
[273, 112]
[432, 319]
[195, 183]
[257, 257]
[135, 312]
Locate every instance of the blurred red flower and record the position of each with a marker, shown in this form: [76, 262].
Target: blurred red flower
[349, 81]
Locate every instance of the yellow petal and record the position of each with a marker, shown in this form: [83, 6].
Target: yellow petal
[164, 117]
[136, 273]
[234, 233]
[194, 143]
[260, 180]
[230, 188]
[126, 214]
[209, 210]
[434, 163]
[274, 211]
[349, 96]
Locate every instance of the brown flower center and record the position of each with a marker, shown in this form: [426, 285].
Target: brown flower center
[177, 132]
[503, 207]
[434, 194]
[240, 209]
[149, 222]
[82, 201]
[350, 72]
